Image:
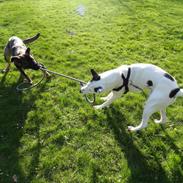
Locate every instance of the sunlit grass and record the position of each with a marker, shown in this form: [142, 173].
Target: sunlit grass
[50, 134]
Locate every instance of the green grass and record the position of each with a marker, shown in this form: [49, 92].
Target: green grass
[50, 134]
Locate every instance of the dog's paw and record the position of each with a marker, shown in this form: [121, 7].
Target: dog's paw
[131, 129]
[159, 121]
[97, 107]
[5, 70]
[28, 82]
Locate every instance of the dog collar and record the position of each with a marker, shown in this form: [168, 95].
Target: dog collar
[125, 82]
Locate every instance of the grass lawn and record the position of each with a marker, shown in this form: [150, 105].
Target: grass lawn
[50, 134]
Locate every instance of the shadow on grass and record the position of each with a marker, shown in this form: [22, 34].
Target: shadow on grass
[3, 78]
[2, 1]
[177, 172]
[141, 170]
[13, 114]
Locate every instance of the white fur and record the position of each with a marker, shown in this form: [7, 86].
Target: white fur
[140, 73]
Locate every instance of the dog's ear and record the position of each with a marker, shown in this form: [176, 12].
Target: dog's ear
[27, 52]
[96, 77]
[15, 58]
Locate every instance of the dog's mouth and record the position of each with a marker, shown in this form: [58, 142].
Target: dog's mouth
[91, 91]
[36, 66]
[84, 90]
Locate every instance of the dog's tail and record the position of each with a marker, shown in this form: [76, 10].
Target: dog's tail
[32, 39]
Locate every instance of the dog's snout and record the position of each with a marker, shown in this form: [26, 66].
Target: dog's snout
[36, 65]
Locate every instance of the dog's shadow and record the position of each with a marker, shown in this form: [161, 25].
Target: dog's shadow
[2, 1]
[141, 170]
[3, 79]
[13, 114]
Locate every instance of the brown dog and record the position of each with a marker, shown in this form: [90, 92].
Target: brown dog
[16, 52]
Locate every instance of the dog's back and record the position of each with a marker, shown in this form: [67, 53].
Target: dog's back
[144, 73]
[14, 47]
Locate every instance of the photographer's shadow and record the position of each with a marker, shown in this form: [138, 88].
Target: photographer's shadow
[14, 109]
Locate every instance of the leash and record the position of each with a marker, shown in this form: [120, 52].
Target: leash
[19, 87]
[63, 75]
[137, 87]
[90, 101]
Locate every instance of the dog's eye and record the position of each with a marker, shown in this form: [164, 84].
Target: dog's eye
[98, 89]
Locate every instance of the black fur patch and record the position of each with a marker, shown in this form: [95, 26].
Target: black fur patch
[169, 76]
[149, 83]
[174, 92]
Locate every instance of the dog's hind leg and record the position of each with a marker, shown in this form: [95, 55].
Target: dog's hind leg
[154, 104]
[148, 111]
[163, 117]
[112, 96]
[7, 59]
[7, 68]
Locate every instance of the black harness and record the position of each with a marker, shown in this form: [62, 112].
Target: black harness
[125, 82]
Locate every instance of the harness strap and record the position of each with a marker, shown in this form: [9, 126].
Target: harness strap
[125, 82]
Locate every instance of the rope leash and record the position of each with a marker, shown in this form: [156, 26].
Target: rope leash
[19, 87]
[138, 88]
[90, 101]
[63, 75]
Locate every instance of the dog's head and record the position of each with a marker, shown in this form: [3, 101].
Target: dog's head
[96, 85]
[25, 61]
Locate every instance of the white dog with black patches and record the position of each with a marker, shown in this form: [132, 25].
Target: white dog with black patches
[136, 77]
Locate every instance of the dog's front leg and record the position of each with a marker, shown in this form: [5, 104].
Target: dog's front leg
[112, 96]
[24, 75]
[107, 97]
[163, 117]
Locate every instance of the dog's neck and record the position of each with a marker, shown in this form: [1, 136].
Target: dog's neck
[125, 82]
[113, 79]
[20, 50]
